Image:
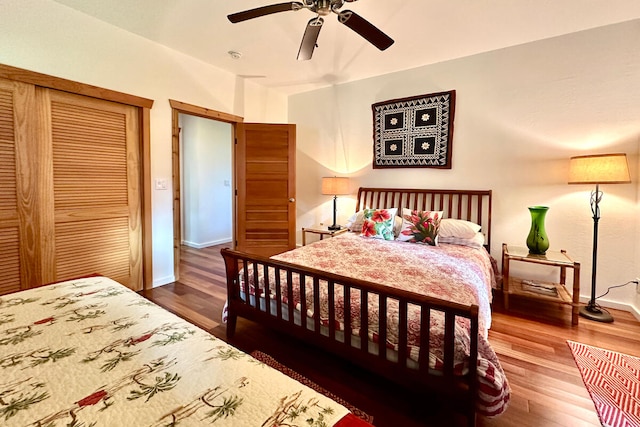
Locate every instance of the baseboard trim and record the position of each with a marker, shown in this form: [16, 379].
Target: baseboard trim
[163, 281]
[618, 306]
[206, 244]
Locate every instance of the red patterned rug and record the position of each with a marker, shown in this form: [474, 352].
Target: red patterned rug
[270, 361]
[613, 381]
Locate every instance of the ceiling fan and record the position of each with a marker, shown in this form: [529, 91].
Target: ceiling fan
[322, 8]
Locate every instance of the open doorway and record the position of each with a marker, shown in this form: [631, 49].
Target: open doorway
[263, 171]
[203, 174]
[206, 181]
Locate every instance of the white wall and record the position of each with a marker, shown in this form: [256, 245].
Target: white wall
[47, 37]
[521, 112]
[206, 181]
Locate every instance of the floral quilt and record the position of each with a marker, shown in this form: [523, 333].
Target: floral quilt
[450, 272]
[91, 352]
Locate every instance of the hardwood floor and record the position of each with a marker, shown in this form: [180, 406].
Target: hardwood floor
[547, 389]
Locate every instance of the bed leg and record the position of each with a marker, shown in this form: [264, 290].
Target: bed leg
[231, 325]
[471, 419]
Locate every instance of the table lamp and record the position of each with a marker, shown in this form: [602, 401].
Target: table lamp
[597, 169]
[336, 186]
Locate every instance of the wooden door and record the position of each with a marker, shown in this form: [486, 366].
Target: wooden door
[265, 182]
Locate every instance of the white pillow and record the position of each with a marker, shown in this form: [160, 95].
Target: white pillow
[397, 226]
[477, 241]
[460, 228]
[354, 223]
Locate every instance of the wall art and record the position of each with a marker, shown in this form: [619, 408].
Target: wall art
[415, 132]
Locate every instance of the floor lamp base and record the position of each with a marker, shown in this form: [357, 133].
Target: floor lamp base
[594, 313]
[334, 227]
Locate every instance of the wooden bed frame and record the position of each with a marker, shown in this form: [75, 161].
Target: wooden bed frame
[470, 205]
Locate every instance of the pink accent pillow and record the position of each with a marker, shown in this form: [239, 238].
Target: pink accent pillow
[420, 226]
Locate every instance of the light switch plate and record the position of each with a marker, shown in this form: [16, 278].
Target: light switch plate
[161, 184]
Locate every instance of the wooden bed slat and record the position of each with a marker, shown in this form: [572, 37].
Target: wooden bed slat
[290, 297]
[267, 288]
[346, 296]
[332, 309]
[278, 293]
[316, 304]
[255, 274]
[382, 328]
[402, 330]
[364, 318]
[303, 300]
[425, 335]
[449, 342]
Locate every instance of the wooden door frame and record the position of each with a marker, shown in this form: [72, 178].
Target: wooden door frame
[177, 108]
[144, 105]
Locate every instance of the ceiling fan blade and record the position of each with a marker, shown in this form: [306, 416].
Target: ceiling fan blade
[310, 38]
[264, 10]
[365, 28]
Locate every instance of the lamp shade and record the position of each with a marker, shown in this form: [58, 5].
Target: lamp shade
[335, 185]
[599, 169]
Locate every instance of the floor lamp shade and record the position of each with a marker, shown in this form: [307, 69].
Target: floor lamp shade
[597, 169]
[335, 186]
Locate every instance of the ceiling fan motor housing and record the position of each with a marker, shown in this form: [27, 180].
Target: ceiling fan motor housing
[325, 7]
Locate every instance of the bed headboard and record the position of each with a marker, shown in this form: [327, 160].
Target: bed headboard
[471, 205]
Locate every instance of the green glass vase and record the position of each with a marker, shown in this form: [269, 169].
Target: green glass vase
[537, 240]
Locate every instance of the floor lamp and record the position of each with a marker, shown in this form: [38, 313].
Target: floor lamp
[597, 169]
[336, 186]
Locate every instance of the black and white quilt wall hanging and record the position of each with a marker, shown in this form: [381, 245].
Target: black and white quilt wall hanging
[414, 132]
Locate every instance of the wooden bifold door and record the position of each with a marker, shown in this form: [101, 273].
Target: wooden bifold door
[70, 191]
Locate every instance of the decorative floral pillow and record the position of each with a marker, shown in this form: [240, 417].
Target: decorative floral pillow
[354, 223]
[378, 223]
[420, 226]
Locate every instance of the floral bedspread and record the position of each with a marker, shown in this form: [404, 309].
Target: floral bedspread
[455, 273]
[451, 272]
[91, 352]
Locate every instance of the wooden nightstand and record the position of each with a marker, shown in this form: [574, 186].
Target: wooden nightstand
[320, 230]
[547, 291]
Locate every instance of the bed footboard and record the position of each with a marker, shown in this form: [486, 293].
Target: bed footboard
[416, 373]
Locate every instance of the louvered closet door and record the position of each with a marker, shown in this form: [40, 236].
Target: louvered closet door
[9, 224]
[22, 240]
[96, 188]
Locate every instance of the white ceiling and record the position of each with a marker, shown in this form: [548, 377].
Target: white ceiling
[425, 32]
